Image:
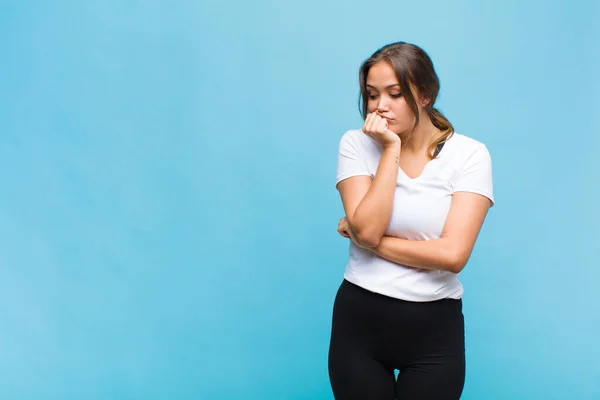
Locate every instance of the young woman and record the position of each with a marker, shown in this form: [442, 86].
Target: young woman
[415, 194]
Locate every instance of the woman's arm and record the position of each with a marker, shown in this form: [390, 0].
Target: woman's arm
[452, 251]
[368, 202]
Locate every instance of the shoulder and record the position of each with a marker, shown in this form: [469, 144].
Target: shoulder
[352, 135]
[465, 142]
[356, 139]
[465, 147]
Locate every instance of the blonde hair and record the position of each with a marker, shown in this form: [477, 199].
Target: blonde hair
[446, 130]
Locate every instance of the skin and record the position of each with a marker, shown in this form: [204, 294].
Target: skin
[368, 202]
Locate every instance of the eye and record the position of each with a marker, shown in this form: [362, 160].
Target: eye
[396, 95]
[372, 96]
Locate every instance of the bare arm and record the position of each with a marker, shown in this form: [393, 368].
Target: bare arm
[452, 251]
[368, 203]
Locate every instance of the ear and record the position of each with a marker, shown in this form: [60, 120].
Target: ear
[423, 102]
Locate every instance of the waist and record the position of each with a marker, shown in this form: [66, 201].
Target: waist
[402, 282]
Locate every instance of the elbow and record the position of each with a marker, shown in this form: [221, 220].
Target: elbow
[369, 242]
[456, 262]
[368, 239]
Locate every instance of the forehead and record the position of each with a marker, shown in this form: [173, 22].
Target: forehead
[381, 75]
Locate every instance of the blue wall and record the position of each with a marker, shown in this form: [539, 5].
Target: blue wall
[168, 212]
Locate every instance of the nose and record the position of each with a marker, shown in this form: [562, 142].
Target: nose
[383, 104]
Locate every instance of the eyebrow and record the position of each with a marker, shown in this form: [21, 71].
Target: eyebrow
[387, 87]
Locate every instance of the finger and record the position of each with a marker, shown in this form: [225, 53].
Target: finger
[366, 124]
[369, 122]
[343, 233]
[373, 123]
[347, 230]
[380, 124]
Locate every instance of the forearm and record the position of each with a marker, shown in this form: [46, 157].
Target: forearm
[372, 215]
[440, 254]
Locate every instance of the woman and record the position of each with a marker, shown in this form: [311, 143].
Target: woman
[415, 194]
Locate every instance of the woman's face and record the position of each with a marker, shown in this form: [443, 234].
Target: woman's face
[385, 97]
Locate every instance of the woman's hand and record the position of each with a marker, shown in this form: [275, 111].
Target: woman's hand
[345, 230]
[376, 127]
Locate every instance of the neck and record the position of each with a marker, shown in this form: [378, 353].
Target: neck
[418, 140]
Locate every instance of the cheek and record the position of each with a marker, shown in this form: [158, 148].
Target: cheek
[371, 106]
[401, 109]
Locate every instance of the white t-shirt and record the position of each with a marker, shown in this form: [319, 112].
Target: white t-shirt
[419, 212]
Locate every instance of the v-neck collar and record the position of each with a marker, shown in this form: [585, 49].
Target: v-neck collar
[437, 155]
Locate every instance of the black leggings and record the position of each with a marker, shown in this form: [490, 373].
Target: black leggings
[373, 335]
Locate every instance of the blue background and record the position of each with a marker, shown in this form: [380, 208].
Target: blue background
[168, 212]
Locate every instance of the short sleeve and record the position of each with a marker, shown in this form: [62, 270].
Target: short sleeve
[476, 174]
[351, 161]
